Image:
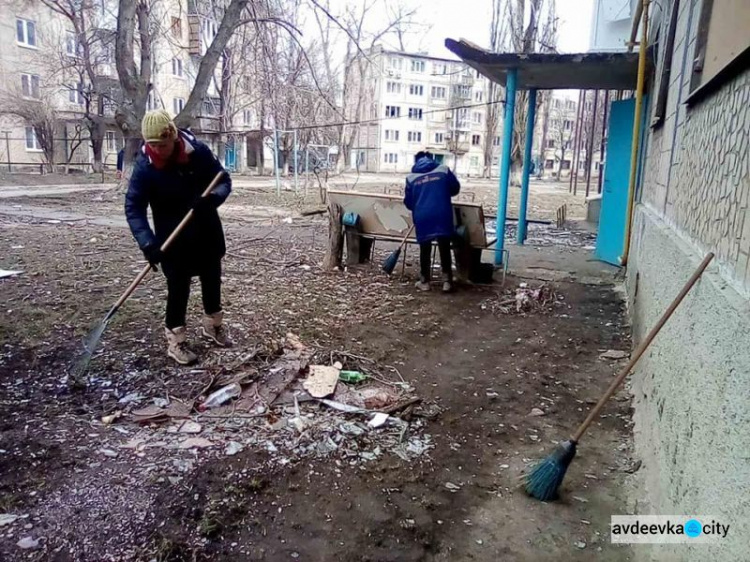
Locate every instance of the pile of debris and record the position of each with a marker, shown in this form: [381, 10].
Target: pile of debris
[287, 404]
[524, 300]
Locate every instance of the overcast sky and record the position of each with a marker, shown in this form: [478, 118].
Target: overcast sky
[469, 19]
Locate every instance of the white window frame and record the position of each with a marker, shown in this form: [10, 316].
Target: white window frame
[75, 93]
[177, 68]
[414, 136]
[178, 104]
[247, 117]
[416, 89]
[390, 158]
[31, 92]
[395, 63]
[35, 146]
[417, 66]
[72, 47]
[393, 111]
[477, 117]
[438, 90]
[392, 135]
[415, 113]
[26, 24]
[393, 87]
[479, 140]
[110, 138]
[439, 138]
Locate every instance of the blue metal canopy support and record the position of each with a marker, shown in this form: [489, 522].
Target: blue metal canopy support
[531, 115]
[502, 199]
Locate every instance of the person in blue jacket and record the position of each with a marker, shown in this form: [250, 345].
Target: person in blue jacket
[429, 189]
[170, 174]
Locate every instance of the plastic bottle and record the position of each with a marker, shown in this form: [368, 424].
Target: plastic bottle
[352, 376]
[221, 396]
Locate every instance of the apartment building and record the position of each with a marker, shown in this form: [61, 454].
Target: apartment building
[45, 70]
[415, 102]
[555, 135]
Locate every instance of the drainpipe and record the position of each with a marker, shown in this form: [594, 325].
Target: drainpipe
[642, 9]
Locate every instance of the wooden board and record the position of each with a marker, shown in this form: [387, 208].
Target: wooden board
[386, 215]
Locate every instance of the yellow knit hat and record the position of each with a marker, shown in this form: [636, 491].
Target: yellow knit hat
[157, 125]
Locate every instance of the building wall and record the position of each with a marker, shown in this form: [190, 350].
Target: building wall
[690, 390]
[610, 26]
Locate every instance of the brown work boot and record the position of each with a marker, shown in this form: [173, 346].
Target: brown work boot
[214, 330]
[177, 347]
[447, 283]
[423, 284]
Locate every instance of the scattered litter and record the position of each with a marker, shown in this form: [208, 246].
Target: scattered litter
[352, 376]
[480, 542]
[221, 396]
[6, 273]
[7, 519]
[233, 448]
[27, 543]
[580, 499]
[343, 407]
[452, 487]
[111, 418]
[196, 443]
[614, 354]
[109, 453]
[378, 420]
[580, 544]
[190, 427]
[536, 412]
[322, 381]
[130, 398]
[523, 300]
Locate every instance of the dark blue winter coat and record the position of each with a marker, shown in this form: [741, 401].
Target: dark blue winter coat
[171, 192]
[429, 189]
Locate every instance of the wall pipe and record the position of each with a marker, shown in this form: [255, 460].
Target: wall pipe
[636, 130]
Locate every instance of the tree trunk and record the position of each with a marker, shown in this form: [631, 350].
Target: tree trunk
[335, 251]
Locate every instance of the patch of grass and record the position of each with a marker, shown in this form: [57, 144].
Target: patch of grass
[209, 526]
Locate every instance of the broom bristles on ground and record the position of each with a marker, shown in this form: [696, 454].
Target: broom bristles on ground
[544, 481]
[391, 261]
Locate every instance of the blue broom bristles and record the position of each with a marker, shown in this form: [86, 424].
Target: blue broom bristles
[390, 263]
[545, 479]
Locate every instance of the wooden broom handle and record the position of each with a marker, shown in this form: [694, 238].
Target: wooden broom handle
[642, 348]
[405, 237]
[167, 243]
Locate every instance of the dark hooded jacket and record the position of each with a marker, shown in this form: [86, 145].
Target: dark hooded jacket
[171, 192]
[429, 189]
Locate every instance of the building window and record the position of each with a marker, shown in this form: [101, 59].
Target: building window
[439, 138]
[177, 67]
[30, 86]
[72, 46]
[26, 32]
[440, 68]
[111, 139]
[462, 91]
[476, 140]
[496, 141]
[390, 158]
[417, 66]
[549, 163]
[568, 124]
[391, 135]
[177, 105]
[565, 165]
[392, 111]
[393, 87]
[414, 136]
[416, 90]
[556, 104]
[247, 117]
[478, 96]
[474, 161]
[477, 117]
[570, 104]
[395, 63]
[150, 102]
[176, 27]
[550, 143]
[415, 113]
[438, 92]
[211, 106]
[32, 143]
[75, 93]
[568, 144]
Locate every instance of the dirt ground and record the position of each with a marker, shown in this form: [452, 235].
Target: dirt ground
[89, 491]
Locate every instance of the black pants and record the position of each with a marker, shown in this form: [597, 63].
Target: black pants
[425, 257]
[178, 290]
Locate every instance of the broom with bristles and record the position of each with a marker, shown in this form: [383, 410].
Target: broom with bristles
[545, 479]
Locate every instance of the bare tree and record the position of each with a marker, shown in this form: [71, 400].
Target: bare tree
[40, 115]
